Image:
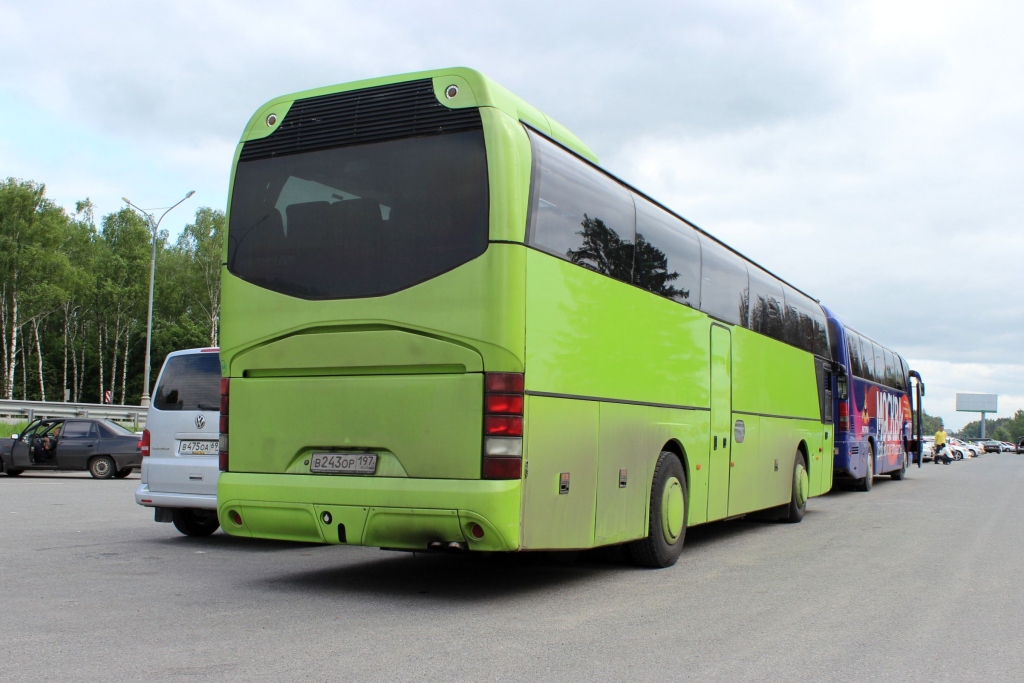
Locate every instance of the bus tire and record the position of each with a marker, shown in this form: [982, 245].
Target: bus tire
[901, 473]
[666, 528]
[869, 478]
[798, 499]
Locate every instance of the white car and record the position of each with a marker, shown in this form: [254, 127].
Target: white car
[961, 449]
[181, 443]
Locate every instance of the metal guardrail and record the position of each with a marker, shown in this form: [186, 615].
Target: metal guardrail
[33, 409]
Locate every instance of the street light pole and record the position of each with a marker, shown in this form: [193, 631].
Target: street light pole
[152, 273]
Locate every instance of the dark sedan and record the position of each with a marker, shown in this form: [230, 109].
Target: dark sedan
[102, 447]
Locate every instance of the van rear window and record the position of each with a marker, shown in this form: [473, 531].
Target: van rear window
[189, 382]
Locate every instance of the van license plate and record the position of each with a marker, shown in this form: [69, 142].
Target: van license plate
[199, 447]
[343, 463]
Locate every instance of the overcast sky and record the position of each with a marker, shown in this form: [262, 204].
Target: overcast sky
[870, 153]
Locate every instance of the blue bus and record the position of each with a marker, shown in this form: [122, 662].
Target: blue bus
[873, 417]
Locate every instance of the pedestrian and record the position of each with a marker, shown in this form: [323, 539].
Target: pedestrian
[941, 452]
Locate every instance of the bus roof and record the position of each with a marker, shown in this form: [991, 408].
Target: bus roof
[475, 90]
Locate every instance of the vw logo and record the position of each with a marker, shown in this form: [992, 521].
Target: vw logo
[200, 421]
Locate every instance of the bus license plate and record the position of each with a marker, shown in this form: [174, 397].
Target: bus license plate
[199, 447]
[343, 463]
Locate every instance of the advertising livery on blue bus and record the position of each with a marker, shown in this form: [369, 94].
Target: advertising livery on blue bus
[872, 407]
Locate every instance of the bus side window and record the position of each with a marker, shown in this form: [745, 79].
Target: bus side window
[799, 327]
[821, 341]
[879, 363]
[867, 359]
[890, 369]
[724, 289]
[901, 375]
[853, 344]
[667, 256]
[579, 214]
[766, 303]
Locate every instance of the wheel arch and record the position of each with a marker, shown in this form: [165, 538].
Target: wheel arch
[805, 451]
[674, 446]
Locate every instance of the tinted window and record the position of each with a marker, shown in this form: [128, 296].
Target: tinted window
[579, 214]
[724, 290]
[667, 258]
[901, 373]
[853, 345]
[890, 368]
[189, 382]
[767, 303]
[76, 430]
[821, 345]
[112, 428]
[833, 340]
[867, 359]
[362, 220]
[798, 323]
[879, 362]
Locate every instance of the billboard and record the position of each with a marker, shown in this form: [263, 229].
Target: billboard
[977, 403]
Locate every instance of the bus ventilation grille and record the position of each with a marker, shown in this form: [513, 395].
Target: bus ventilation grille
[387, 112]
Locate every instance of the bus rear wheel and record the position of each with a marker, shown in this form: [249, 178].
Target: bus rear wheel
[798, 500]
[869, 478]
[666, 527]
[901, 473]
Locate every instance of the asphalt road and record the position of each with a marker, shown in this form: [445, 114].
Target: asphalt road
[917, 580]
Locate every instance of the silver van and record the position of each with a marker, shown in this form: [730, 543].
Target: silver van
[180, 446]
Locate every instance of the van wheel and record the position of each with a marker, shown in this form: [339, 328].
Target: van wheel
[865, 483]
[667, 526]
[122, 473]
[102, 467]
[192, 522]
[12, 472]
[901, 473]
[801, 484]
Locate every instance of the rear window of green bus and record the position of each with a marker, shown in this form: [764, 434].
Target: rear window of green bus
[361, 220]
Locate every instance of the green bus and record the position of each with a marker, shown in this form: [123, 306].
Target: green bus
[445, 327]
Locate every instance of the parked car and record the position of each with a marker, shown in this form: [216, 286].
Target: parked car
[966, 450]
[1007, 447]
[181, 444]
[104, 448]
[992, 446]
[927, 449]
[1020, 446]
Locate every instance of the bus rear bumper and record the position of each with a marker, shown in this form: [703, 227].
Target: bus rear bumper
[401, 513]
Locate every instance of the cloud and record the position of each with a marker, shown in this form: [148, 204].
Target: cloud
[867, 152]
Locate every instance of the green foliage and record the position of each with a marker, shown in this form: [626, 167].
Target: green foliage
[1001, 429]
[74, 299]
[929, 424]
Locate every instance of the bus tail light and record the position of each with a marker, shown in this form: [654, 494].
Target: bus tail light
[844, 416]
[144, 443]
[504, 401]
[225, 393]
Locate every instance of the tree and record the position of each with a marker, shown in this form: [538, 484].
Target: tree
[122, 291]
[201, 244]
[33, 269]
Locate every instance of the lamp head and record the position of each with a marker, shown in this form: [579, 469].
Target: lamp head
[190, 193]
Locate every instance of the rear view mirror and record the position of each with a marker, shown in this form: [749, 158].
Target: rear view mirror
[841, 388]
[922, 388]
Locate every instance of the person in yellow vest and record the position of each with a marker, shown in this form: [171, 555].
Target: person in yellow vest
[940, 446]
